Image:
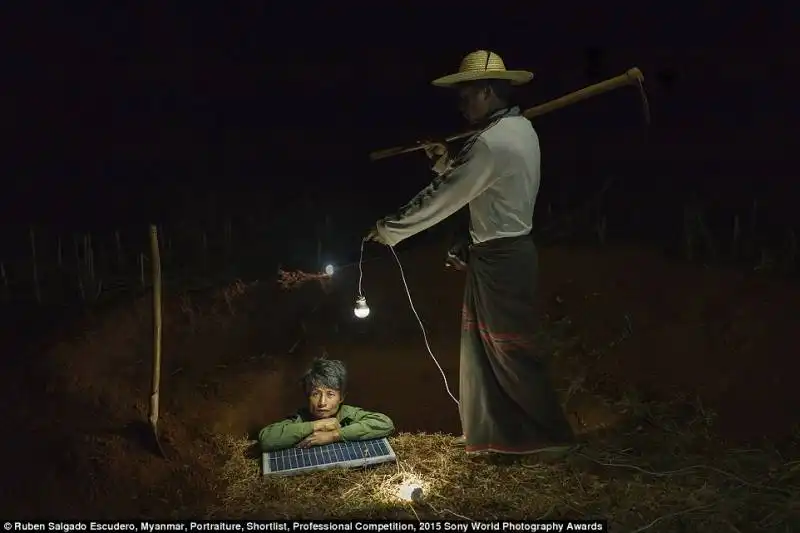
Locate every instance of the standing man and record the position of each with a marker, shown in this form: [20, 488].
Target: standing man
[507, 403]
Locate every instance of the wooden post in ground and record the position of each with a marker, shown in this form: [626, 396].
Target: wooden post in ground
[156, 378]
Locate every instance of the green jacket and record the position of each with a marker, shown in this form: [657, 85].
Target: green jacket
[356, 424]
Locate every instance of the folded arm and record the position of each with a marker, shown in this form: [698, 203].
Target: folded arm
[284, 434]
[446, 194]
[365, 425]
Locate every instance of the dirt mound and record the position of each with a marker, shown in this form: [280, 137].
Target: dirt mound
[626, 319]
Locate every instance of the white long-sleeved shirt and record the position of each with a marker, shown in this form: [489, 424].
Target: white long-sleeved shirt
[498, 176]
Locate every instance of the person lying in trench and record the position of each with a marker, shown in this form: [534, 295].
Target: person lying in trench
[326, 418]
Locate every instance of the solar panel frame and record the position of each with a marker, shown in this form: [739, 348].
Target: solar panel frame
[347, 454]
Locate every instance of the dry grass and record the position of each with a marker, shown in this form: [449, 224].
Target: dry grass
[663, 480]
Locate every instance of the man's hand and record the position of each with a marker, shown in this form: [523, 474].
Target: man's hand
[318, 438]
[435, 150]
[374, 236]
[455, 262]
[326, 424]
[457, 256]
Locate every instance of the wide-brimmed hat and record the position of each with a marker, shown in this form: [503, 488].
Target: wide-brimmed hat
[483, 65]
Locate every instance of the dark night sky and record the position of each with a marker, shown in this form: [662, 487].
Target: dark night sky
[104, 107]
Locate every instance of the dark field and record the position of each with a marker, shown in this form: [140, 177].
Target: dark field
[663, 367]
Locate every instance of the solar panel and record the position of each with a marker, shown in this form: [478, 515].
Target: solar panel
[348, 454]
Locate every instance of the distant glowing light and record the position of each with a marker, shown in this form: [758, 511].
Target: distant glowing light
[329, 270]
[410, 492]
[361, 309]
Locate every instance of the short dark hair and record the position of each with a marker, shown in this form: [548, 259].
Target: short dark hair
[327, 373]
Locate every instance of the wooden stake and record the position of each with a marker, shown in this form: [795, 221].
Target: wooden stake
[60, 254]
[36, 288]
[156, 381]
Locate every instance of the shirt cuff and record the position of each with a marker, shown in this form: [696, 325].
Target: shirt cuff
[385, 235]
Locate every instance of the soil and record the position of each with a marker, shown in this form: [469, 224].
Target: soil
[75, 400]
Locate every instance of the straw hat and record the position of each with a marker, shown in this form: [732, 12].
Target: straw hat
[483, 65]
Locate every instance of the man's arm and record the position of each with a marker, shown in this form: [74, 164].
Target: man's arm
[445, 195]
[284, 434]
[366, 425]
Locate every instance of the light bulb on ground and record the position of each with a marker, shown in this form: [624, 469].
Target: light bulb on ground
[361, 310]
[329, 270]
[410, 492]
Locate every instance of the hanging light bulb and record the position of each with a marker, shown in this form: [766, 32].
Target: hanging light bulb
[329, 270]
[361, 309]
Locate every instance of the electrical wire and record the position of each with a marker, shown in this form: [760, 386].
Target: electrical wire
[422, 327]
[361, 268]
[413, 309]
